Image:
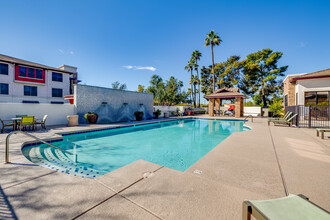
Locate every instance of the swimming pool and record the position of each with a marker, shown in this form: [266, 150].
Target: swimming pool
[175, 144]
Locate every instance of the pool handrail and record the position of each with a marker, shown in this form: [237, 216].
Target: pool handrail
[30, 135]
[248, 117]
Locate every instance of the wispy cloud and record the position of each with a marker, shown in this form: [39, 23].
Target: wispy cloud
[151, 68]
[303, 44]
[63, 52]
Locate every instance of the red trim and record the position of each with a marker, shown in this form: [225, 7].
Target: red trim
[309, 77]
[27, 79]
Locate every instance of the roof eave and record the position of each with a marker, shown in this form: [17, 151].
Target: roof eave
[36, 66]
[308, 77]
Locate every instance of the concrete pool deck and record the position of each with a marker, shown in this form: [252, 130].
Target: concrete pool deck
[245, 166]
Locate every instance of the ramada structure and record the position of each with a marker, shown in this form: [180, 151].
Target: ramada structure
[226, 93]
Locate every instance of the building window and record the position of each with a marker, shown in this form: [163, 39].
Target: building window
[30, 91]
[30, 102]
[38, 74]
[4, 89]
[30, 72]
[57, 92]
[286, 100]
[317, 98]
[58, 77]
[3, 68]
[22, 71]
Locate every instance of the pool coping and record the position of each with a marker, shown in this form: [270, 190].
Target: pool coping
[89, 130]
[241, 167]
[62, 134]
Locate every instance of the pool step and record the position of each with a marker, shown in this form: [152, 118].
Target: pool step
[55, 159]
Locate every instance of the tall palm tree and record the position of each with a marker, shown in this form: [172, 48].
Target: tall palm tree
[212, 39]
[196, 55]
[180, 84]
[190, 67]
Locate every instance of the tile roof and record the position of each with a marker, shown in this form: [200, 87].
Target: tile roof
[225, 93]
[8, 59]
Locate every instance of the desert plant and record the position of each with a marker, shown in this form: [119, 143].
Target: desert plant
[91, 117]
[276, 108]
[138, 115]
[157, 113]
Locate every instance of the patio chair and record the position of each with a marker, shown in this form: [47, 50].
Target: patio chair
[284, 121]
[41, 122]
[26, 121]
[286, 116]
[289, 207]
[217, 112]
[7, 123]
[20, 116]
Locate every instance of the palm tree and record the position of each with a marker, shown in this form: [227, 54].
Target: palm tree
[190, 66]
[195, 81]
[180, 85]
[212, 39]
[196, 55]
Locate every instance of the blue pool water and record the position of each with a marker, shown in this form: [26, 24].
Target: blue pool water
[176, 144]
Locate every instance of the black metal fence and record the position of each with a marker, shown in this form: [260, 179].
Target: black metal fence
[310, 116]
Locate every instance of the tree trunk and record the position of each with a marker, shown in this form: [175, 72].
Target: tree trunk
[193, 89]
[199, 87]
[263, 95]
[191, 83]
[213, 67]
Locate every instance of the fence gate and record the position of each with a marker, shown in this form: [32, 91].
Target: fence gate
[310, 116]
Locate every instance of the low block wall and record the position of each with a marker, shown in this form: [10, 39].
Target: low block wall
[168, 109]
[252, 110]
[173, 109]
[56, 112]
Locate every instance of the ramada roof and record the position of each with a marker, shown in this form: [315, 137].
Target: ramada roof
[13, 60]
[225, 93]
[315, 75]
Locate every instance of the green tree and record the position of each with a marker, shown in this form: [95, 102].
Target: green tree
[196, 55]
[190, 67]
[157, 89]
[206, 80]
[212, 39]
[276, 107]
[261, 72]
[228, 72]
[168, 93]
[141, 89]
[117, 85]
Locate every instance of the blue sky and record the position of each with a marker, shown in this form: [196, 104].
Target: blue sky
[102, 37]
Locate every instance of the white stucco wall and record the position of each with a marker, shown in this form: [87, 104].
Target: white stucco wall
[16, 88]
[252, 110]
[310, 85]
[56, 112]
[168, 109]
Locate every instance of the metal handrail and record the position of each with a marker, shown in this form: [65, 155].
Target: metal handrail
[30, 135]
[247, 117]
